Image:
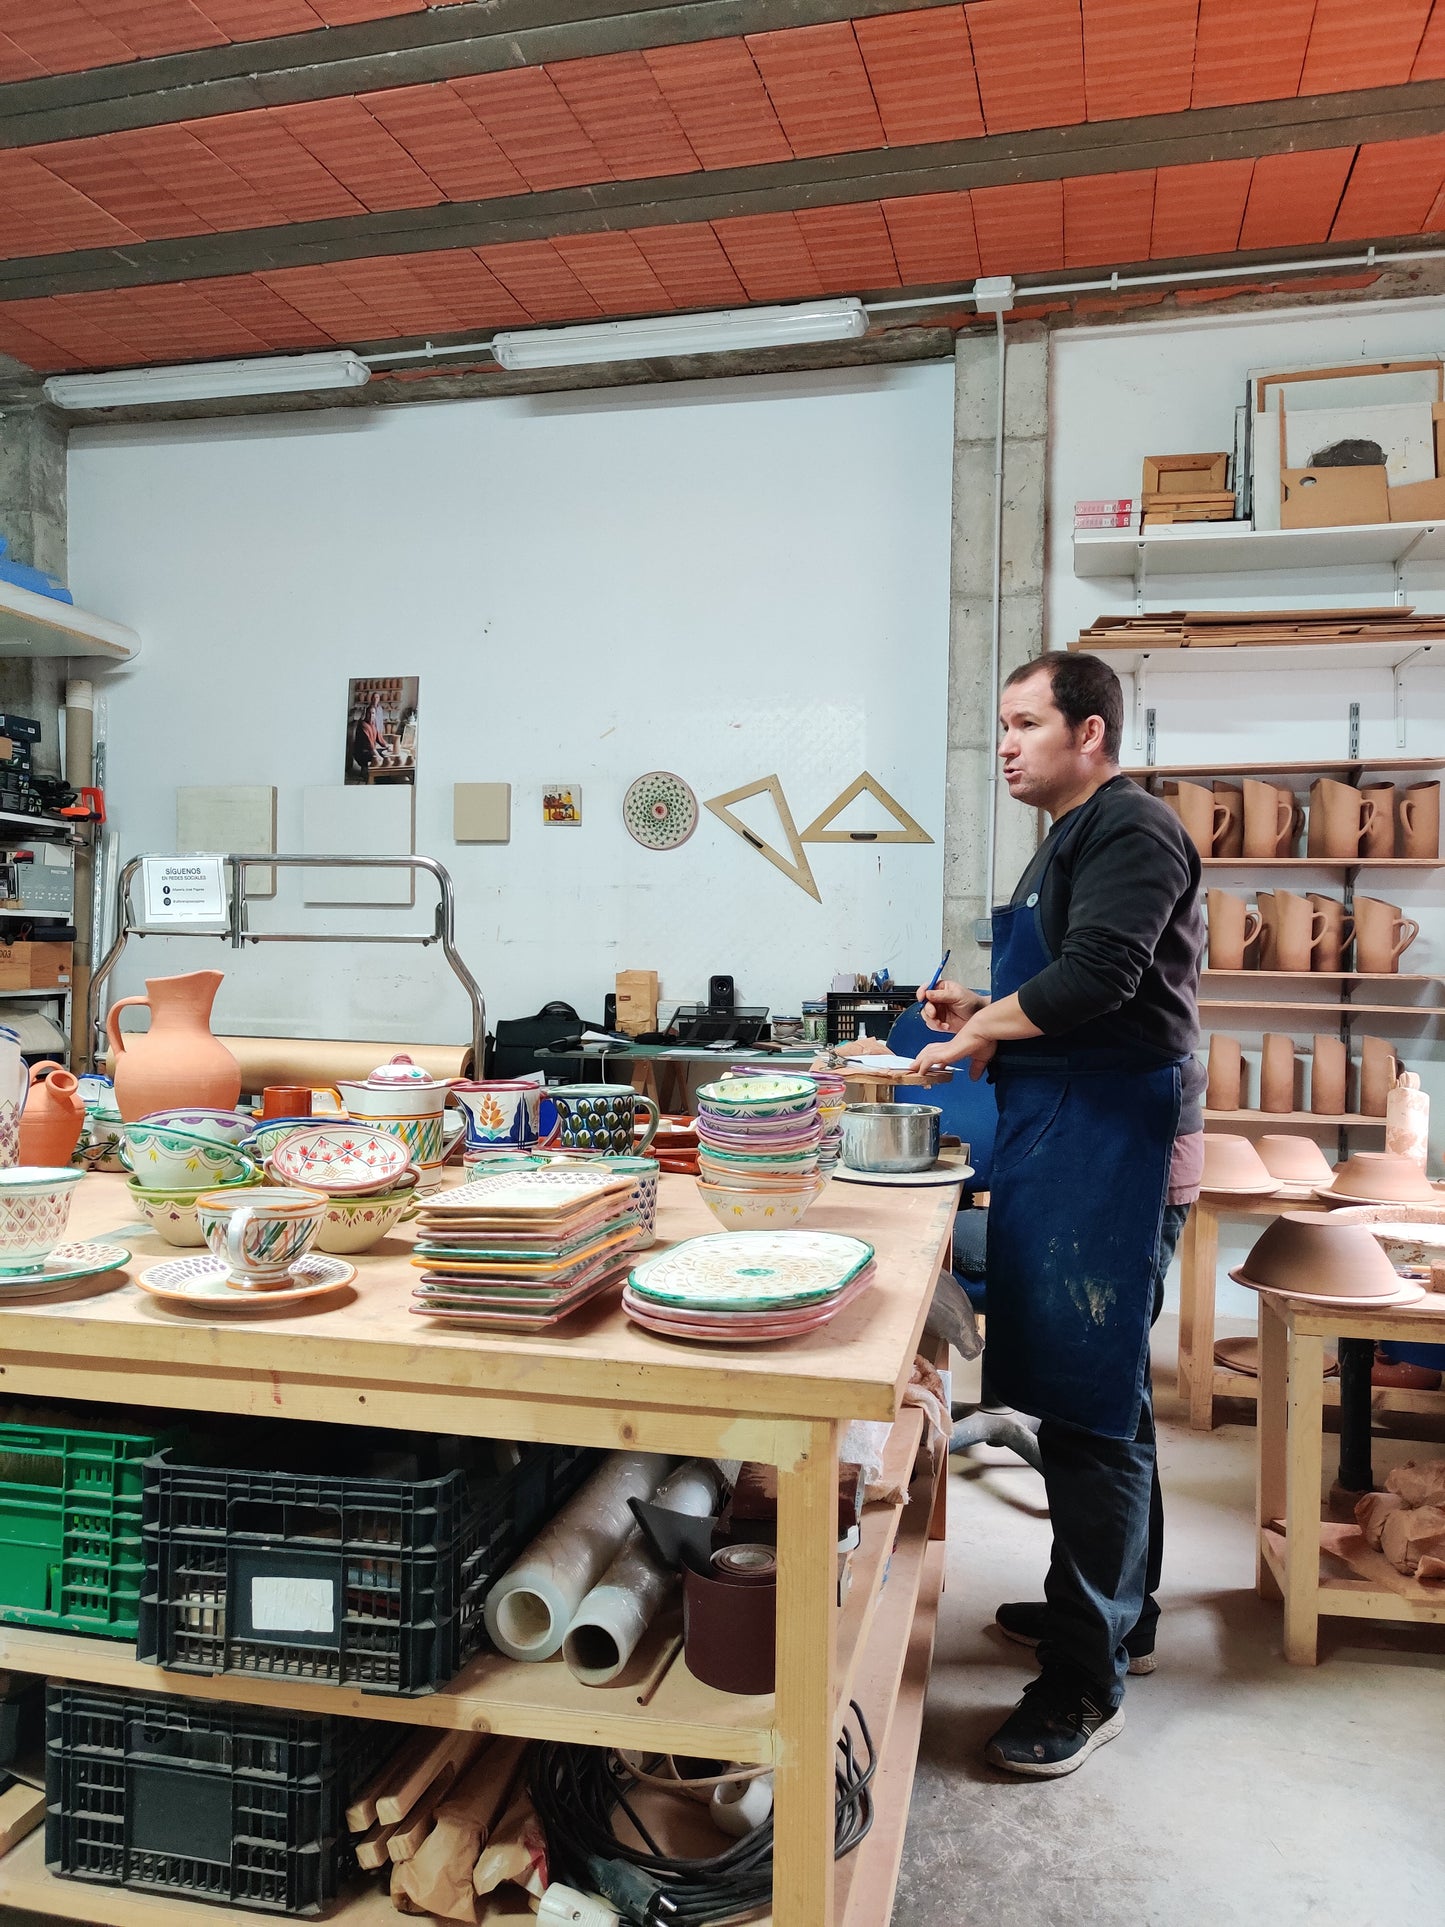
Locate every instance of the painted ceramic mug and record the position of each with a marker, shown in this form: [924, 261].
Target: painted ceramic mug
[34, 1207]
[503, 1114]
[600, 1117]
[261, 1239]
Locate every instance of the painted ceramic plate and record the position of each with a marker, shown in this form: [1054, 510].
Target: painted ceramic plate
[551, 1191]
[342, 1159]
[660, 810]
[751, 1270]
[202, 1281]
[65, 1262]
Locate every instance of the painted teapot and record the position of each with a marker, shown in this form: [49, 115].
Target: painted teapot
[404, 1098]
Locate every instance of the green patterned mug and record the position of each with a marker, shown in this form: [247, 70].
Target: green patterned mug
[599, 1117]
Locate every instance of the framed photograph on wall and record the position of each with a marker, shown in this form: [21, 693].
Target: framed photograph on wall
[562, 803]
[381, 729]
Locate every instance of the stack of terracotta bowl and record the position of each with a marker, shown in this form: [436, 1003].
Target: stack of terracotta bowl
[366, 1174]
[1379, 1177]
[758, 1141]
[1233, 1168]
[1323, 1260]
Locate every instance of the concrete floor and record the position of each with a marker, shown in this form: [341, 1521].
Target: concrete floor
[1242, 1791]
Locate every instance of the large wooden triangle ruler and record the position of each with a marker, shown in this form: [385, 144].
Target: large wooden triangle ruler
[908, 830]
[796, 867]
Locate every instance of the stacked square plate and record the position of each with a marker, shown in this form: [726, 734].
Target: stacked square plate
[758, 1139]
[520, 1250]
[750, 1288]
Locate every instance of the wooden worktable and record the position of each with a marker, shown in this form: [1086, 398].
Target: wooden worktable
[599, 1380]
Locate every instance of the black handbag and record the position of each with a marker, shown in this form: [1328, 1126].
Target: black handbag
[518, 1039]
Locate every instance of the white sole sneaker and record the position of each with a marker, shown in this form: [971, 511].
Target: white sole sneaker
[1057, 1769]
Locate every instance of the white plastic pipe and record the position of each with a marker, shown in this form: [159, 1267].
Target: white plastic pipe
[608, 1625]
[738, 1806]
[530, 1607]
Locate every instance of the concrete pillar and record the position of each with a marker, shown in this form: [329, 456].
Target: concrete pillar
[972, 729]
[32, 516]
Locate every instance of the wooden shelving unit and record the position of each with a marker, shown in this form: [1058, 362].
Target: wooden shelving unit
[1298, 1120]
[1343, 1011]
[1229, 548]
[1341, 770]
[38, 625]
[1207, 977]
[1323, 862]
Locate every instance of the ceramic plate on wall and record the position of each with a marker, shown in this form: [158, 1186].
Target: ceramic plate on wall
[660, 810]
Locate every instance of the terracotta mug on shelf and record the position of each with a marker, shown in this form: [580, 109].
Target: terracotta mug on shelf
[1226, 1087]
[1336, 819]
[1377, 820]
[1420, 821]
[1329, 1075]
[1229, 839]
[1201, 813]
[1382, 933]
[1233, 927]
[1272, 819]
[1268, 934]
[1339, 925]
[1276, 1074]
[1298, 927]
[1378, 1068]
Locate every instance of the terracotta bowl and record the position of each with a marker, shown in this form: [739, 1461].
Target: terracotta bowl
[1320, 1257]
[1294, 1160]
[1379, 1177]
[1232, 1164]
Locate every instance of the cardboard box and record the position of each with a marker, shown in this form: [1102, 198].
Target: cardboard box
[35, 966]
[1418, 502]
[1333, 498]
[636, 1001]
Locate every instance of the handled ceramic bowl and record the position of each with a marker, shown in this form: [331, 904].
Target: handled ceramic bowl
[160, 1155]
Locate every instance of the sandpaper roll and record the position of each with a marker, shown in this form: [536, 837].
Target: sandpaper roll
[319, 1061]
[729, 1620]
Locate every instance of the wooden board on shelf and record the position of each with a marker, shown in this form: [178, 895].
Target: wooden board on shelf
[1358, 1583]
[1323, 862]
[1282, 1120]
[1320, 766]
[1322, 1010]
[1319, 976]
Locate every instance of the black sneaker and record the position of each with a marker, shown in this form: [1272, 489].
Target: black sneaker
[1026, 1622]
[1052, 1731]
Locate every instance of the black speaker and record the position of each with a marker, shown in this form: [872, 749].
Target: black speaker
[609, 1011]
[722, 993]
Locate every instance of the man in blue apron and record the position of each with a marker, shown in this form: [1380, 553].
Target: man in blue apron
[1088, 1037]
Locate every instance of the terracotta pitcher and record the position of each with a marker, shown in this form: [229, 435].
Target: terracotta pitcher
[1233, 927]
[53, 1118]
[1202, 813]
[1377, 820]
[1338, 928]
[1420, 820]
[1382, 932]
[1329, 1076]
[1298, 928]
[177, 1061]
[1230, 840]
[1272, 819]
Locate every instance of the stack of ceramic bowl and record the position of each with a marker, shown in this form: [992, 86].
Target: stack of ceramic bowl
[749, 1289]
[1322, 1259]
[365, 1173]
[832, 1102]
[272, 1132]
[175, 1156]
[758, 1141]
[520, 1250]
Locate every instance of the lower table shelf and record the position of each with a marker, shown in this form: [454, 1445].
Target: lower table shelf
[1368, 1587]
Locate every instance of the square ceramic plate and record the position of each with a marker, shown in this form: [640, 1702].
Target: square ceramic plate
[554, 1189]
[751, 1270]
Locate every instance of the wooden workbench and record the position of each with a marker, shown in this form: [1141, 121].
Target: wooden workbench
[598, 1381]
[1320, 1567]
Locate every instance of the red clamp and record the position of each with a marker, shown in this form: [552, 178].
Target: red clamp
[90, 808]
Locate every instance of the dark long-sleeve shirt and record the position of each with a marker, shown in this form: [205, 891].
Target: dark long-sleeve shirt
[1121, 913]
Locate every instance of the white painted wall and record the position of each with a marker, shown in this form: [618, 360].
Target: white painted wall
[725, 579]
[1121, 393]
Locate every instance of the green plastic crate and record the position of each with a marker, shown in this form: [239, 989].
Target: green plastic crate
[71, 1556]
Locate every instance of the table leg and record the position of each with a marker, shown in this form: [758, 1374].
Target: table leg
[807, 1627]
[1357, 1359]
[1271, 1489]
[1199, 1259]
[1302, 1500]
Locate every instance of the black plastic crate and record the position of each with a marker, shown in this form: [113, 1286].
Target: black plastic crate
[878, 1009]
[368, 1582]
[231, 1804]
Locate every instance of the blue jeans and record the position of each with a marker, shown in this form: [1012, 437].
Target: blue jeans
[1108, 1521]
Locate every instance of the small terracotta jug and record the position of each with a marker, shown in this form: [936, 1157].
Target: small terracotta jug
[1382, 932]
[1329, 953]
[1233, 927]
[1272, 819]
[1336, 815]
[1420, 821]
[1276, 1074]
[1203, 814]
[1328, 1076]
[53, 1118]
[1377, 820]
[1230, 840]
[177, 1061]
[1298, 928]
[1378, 1068]
[1225, 1091]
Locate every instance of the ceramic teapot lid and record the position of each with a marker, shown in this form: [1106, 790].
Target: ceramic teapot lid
[401, 1070]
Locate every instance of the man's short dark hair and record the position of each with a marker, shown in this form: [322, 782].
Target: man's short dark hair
[1083, 686]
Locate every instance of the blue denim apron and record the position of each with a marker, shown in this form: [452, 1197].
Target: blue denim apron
[1080, 1177]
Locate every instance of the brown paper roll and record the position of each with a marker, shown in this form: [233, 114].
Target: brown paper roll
[320, 1061]
[729, 1624]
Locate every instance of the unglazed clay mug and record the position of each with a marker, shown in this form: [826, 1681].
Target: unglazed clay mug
[600, 1117]
[1336, 819]
[1229, 840]
[1339, 925]
[1276, 1074]
[1329, 1072]
[1420, 821]
[1201, 813]
[260, 1239]
[1225, 1090]
[1272, 819]
[1233, 927]
[1298, 927]
[1382, 933]
[1377, 820]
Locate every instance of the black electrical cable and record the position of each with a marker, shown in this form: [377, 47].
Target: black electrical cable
[578, 1790]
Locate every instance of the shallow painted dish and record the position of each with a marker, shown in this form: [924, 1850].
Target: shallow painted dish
[751, 1270]
[344, 1160]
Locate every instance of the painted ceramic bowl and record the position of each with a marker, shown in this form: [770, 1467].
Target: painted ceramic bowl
[99, 1148]
[172, 1213]
[356, 1224]
[343, 1160]
[756, 1210]
[265, 1138]
[161, 1156]
[758, 1096]
[226, 1127]
[34, 1207]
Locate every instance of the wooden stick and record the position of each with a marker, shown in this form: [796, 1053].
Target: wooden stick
[22, 1808]
[660, 1671]
[407, 1837]
[438, 1877]
[371, 1848]
[456, 1750]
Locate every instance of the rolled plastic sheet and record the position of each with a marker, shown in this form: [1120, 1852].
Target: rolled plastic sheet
[319, 1061]
[729, 1620]
[531, 1606]
[607, 1626]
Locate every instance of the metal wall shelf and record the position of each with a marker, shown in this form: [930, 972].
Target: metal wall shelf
[1229, 548]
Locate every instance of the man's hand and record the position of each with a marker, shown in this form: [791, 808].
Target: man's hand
[948, 1006]
[969, 1044]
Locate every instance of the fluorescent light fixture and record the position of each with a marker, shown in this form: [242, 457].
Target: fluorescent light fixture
[209, 381]
[729, 331]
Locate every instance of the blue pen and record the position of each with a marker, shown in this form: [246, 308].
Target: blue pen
[937, 976]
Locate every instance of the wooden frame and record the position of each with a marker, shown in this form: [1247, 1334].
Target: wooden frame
[796, 867]
[908, 831]
[1208, 474]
